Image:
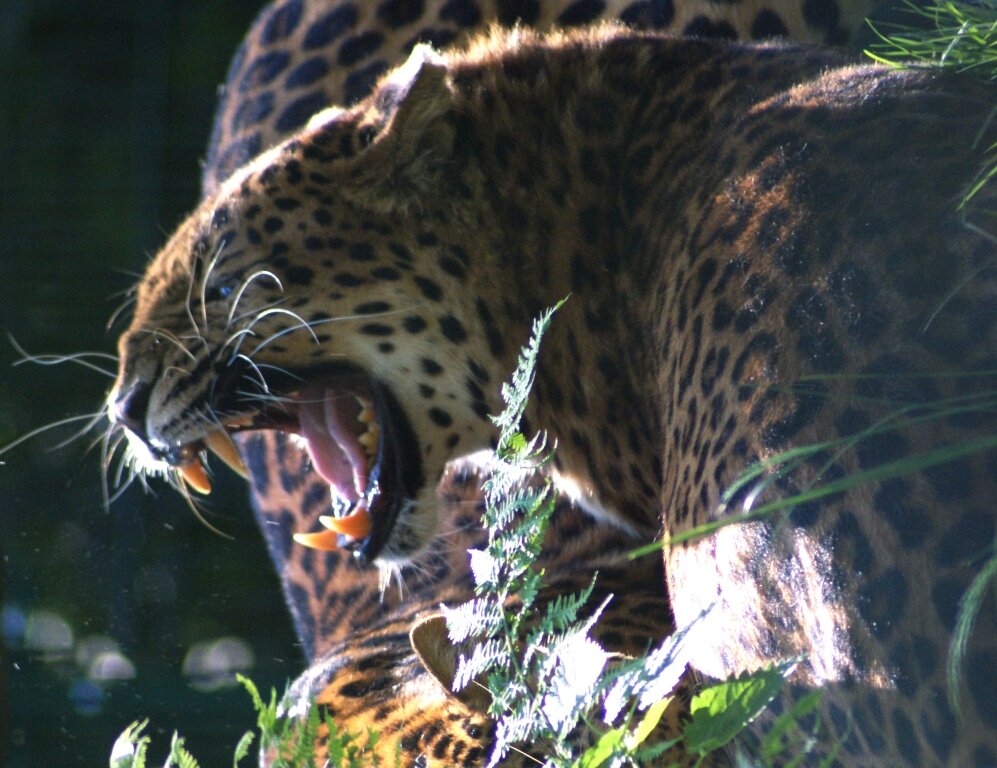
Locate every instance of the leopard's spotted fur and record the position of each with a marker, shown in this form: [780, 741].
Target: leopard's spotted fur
[763, 253]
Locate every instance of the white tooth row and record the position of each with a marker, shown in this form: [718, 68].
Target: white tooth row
[372, 435]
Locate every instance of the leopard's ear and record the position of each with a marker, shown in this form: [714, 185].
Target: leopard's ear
[409, 139]
[438, 655]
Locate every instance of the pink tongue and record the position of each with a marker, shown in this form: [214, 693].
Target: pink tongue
[330, 428]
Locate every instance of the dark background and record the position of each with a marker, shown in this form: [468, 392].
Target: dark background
[105, 110]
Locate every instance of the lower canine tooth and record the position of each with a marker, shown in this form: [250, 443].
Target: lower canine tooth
[327, 541]
[194, 475]
[356, 524]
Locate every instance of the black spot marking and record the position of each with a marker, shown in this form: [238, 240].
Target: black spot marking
[361, 82]
[372, 308]
[767, 24]
[330, 26]
[430, 289]
[263, 70]
[492, 332]
[911, 524]
[398, 13]
[855, 296]
[386, 273]
[282, 22]
[359, 47]
[821, 14]
[966, 540]
[952, 481]
[440, 417]
[463, 13]
[649, 14]
[298, 275]
[431, 367]
[512, 11]
[981, 672]
[808, 317]
[300, 111]
[361, 252]
[307, 72]
[906, 738]
[322, 217]
[883, 601]
[348, 280]
[808, 398]
[414, 324]
[286, 203]
[881, 447]
[701, 26]
[848, 532]
[252, 111]
[946, 594]
[453, 329]
[376, 329]
[453, 267]
[581, 12]
[273, 224]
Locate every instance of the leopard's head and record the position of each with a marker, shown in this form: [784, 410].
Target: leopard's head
[322, 292]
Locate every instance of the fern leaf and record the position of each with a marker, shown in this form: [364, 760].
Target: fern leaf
[485, 656]
[480, 617]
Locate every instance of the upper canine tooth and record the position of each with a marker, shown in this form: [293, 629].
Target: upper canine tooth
[194, 475]
[220, 443]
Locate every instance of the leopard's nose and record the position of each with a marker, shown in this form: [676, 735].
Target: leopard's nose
[129, 406]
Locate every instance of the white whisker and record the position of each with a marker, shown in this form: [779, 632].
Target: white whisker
[257, 371]
[245, 285]
[95, 419]
[41, 430]
[281, 311]
[192, 504]
[79, 358]
[122, 307]
[256, 311]
[204, 281]
[236, 337]
[163, 333]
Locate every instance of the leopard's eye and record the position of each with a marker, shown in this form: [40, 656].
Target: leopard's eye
[218, 292]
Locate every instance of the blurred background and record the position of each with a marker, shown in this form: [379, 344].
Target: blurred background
[115, 614]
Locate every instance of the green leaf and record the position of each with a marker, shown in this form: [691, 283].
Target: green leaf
[648, 723]
[179, 756]
[130, 747]
[969, 608]
[721, 711]
[242, 748]
[608, 745]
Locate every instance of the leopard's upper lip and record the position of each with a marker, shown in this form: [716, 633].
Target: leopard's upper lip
[357, 438]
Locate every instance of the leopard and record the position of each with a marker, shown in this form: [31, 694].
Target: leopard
[763, 258]
[300, 57]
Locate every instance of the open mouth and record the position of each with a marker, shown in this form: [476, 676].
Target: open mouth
[357, 438]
